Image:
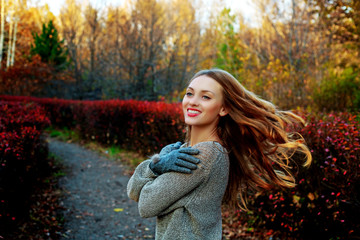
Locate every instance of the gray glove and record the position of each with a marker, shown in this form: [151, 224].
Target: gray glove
[167, 149]
[179, 160]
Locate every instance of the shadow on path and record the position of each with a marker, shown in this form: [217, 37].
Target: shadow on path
[95, 202]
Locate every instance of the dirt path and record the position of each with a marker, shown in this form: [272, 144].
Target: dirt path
[95, 200]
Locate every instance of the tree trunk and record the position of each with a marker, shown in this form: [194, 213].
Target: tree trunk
[14, 44]
[10, 43]
[2, 30]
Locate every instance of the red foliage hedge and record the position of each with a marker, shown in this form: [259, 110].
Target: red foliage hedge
[23, 155]
[136, 125]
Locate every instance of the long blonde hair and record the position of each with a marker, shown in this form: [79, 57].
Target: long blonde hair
[259, 140]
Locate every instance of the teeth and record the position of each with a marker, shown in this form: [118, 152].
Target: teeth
[193, 111]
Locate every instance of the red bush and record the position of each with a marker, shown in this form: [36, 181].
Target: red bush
[60, 112]
[25, 78]
[332, 186]
[137, 125]
[29, 77]
[23, 155]
[326, 202]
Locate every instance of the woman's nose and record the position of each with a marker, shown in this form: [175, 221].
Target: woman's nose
[194, 101]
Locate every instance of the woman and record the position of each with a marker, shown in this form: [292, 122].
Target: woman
[241, 143]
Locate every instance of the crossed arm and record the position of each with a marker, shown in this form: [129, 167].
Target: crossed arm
[157, 194]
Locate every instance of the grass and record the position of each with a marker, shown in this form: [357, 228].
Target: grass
[132, 158]
[64, 134]
[115, 152]
[127, 159]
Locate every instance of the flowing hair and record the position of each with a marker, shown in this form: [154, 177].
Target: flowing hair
[259, 138]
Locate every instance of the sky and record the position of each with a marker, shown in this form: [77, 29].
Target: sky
[243, 6]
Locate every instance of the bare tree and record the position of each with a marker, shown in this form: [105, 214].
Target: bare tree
[142, 35]
[91, 34]
[72, 29]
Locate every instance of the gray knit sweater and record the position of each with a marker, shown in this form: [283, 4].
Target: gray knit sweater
[187, 206]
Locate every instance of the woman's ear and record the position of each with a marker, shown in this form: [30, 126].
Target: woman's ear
[223, 112]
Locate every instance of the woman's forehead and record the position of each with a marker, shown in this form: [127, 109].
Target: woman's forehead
[205, 83]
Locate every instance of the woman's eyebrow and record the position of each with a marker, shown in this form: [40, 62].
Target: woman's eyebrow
[202, 90]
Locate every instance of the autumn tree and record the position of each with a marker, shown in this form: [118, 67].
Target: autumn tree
[340, 86]
[182, 48]
[81, 28]
[25, 75]
[341, 18]
[11, 16]
[72, 29]
[145, 50]
[92, 78]
[115, 84]
[142, 36]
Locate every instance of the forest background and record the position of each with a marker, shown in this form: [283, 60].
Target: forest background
[295, 53]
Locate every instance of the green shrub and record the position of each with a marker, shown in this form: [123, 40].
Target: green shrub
[338, 91]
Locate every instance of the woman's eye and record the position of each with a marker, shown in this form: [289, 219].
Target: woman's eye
[188, 94]
[206, 97]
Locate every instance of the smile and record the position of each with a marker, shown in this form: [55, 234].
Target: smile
[193, 112]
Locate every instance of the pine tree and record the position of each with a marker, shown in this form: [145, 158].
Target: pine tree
[49, 47]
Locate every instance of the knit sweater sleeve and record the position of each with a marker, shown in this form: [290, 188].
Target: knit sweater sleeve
[156, 194]
[141, 176]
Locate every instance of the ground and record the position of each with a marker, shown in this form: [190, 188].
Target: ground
[94, 197]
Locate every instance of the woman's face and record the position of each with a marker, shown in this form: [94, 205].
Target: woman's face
[203, 102]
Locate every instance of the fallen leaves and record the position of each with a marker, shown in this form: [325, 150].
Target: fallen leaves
[118, 209]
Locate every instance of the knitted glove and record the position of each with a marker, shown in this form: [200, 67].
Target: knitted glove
[179, 160]
[167, 149]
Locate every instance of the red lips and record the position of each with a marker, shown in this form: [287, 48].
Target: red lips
[192, 112]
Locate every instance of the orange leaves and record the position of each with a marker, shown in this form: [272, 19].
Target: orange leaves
[20, 78]
[28, 77]
[311, 196]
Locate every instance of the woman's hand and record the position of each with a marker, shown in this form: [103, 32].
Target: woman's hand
[178, 160]
[167, 149]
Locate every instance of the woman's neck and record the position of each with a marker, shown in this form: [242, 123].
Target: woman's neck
[203, 134]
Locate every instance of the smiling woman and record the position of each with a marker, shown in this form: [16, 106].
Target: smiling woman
[241, 143]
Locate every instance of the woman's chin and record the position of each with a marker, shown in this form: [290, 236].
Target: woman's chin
[190, 122]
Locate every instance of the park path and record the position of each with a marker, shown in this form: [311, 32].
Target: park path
[94, 199]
